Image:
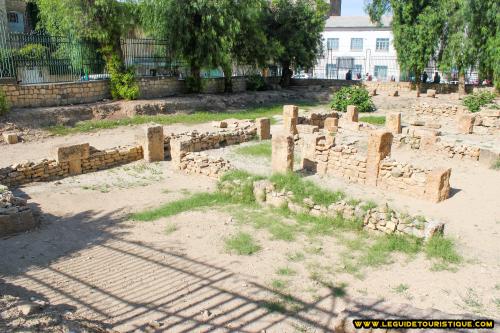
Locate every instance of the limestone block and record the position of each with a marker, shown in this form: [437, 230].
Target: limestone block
[431, 93]
[466, 124]
[11, 138]
[437, 185]
[73, 155]
[290, 117]
[17, 222]
[282, 153]
[393, 93]
[153, 144]
[373, 92]
[379, 147]
[488, 157]
[179, 147]
[352, 113]
[309, 143]
[307, 129]
[331, 125]
[428, 143]
[393, 122]
[263, 128]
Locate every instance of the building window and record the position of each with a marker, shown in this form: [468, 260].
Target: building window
[12, 17]
[331, 71]
[358, 69]
[382, 44]
[332, 43]
[356, 44]
[381, 72]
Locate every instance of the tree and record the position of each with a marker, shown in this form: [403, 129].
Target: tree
[201, 32]
[416, 25]
[296, 26]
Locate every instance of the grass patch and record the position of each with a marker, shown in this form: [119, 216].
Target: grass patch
[471, 300]
[379, 253]
[401, 288]
[242, 244]
[286, 271]
[279, 284]
[442, 249]
[305, 189]
[263, 149]
[496, 164]
[170, 229]
[296, 256]
[185, 118]
[374, 120]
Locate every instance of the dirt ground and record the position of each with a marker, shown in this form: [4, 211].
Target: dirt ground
[137, 276]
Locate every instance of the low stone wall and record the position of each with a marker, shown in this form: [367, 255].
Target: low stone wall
[316, 119]
[49, 170]
[55, 94]
[486, 122]
[402, 177]
[202, 164]
[341, 161]
[15, 215]
[381, 219]
[439, 109]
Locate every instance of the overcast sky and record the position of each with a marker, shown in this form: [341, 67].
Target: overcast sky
[353, 7]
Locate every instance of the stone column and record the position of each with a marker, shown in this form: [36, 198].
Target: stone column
[263, 128]
[290, 116]
[309, 142]
[466, 124]
[437, 185]
[331, 125]
[431, 93]
[179, 147]
[379, 147]
[352, 113]
[73, 155]
[153, 144]
[393, 122]
[282, 153]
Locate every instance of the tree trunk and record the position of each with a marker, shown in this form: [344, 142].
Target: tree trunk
[461, 84]
[286, 75]
[418, 83]
[195, 85]
[228, 79]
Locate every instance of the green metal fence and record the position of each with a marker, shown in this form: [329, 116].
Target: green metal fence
[6, 65]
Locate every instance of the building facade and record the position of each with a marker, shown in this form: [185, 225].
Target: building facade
[353, 43]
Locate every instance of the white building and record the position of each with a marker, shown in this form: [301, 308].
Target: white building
[354, 43]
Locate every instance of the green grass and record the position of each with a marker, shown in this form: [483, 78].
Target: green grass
[242, 244]
[170, 229]
[401, 288]
[374, 120]
[286, 271]
[443, 249]
[279, 284]
[262, 149]
[185, 118]
[296, 256]
[305, 189]
[496, 164]
[379, 253]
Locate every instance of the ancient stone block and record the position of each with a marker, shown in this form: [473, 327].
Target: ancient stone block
[393, 93]
[290, 116]
[373, 92]
[17, 222]
[263, 128]
[431, 93]
[282, 153]
[307, 129]
[352, 113]
[488, 157]
[465, 124]
[73, 155]
[437, 185]
[428, 143]
[153, 143]
[331, 125]
[393, 122]
[179, 147]
[11, 138]
[309, 144]
[379, 147]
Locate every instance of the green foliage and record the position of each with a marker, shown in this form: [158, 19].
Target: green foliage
[353, 95]
[476, 101]
[379, 253]
[262, 149]
[32, 52]
[194, 84]
[496, 164]
[256, 83]
[286, 271]
[305, 189]
[443, 249]
[4, 105]
[123, 84]
[296, 27]
[242, 244]
[375, 120]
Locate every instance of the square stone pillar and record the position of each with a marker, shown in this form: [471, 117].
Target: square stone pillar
[428, 143]
[73, 155]
[309, 142]
[282, 153]
[290, 117]
[379, 147]
[431, 93]
[153, 144]
[437, 185]
[179, 147]
[466, 124]
[352, 113]
[393, 122]
[331, 125]
[11, 138]
[263, 128]
[393, 93]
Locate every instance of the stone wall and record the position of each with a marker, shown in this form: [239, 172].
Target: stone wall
[440, 110]
[49, 170]
[202, 164]
[15, 215]
[55, 94]
[316, 119]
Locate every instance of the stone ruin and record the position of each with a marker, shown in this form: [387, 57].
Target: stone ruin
[15, 215]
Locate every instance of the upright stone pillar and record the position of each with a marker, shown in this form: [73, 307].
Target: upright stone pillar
[179, 147]
[466, 124]
[73, 155]
[282, 153]
[263, 128]
[352, 113]
[331, 125]
[309, 142]
[290, 117]
[153, 144]
[379, 147]
[393, 122]
[431, 93]
[437, 185]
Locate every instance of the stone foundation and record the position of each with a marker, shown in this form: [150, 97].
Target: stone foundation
[15, 215]
[198, 163]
